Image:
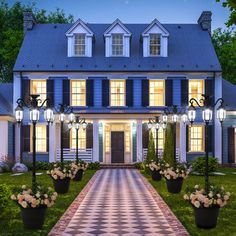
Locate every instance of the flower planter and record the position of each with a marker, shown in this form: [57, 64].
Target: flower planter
[206, 218]
[79, 175]
[61, 185]
[33, 218]
[174, 185]
[156, 176]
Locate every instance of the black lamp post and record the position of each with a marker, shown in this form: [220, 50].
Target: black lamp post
[33, 104]
[207, 115]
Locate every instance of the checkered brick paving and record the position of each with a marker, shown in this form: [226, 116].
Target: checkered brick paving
[120, 202]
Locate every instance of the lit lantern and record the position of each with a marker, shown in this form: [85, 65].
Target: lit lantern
[19, 114]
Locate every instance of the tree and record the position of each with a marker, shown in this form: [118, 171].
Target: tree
[151, 154]
[11, 31]
[168, 154]
[224, 42]
[231, 5]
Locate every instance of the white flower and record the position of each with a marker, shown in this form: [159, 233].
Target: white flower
[24, 204]
[197, 204]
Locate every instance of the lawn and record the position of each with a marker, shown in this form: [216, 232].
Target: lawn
[10, 219]
[182, 209]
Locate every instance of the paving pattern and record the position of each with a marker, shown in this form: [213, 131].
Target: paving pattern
[120, 202]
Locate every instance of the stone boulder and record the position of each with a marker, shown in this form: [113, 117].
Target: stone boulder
[19, 168]
[3, 167]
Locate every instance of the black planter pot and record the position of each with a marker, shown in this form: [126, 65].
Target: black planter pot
[156, 176]
[79, 175]
[206, 218]
[33, 218]
[61, 185]
[174, 185]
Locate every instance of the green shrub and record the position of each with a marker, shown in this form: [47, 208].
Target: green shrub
[151, 154]
[94, 165]
[5, 194]
[198, 165]
[139, 165]
[40, 165]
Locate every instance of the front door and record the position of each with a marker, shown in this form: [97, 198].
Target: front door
[117, 147]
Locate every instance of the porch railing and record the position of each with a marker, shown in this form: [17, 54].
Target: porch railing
[69, 154]
[160, 152]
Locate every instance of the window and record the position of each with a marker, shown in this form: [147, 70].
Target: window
[81, 139]
[156, 92]
[117, 93]
[41, 138]
[196, 138]
[117, 45]
[80, 44]
[39, 87]
[78, 93]
[155, 44]
[196, 89]
[161, 138]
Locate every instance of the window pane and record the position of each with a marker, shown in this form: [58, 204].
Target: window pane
[39, 87]
[161, 138]
[79, 46]
[196, 139]
[155, 44]
[156, 93]
[81, 139]
[117, 94]
[41, 138]
[117, 44]
[78, 93]
[196, 89]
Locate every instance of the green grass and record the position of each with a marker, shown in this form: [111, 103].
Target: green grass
[226, 225]
[10, 218]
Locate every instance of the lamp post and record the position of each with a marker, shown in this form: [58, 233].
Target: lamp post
[33, 104]
[207, 115]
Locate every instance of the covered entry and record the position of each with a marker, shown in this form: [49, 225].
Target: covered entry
[117, 147]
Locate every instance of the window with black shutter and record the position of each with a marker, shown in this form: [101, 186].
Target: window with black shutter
[105, 92]
[129, 92]
[184, 93]
[25, 88]
[145, 132]
[25, 138]
[66, 92]
[50, 91]
[209, 89]
[231, 145]
[89, 92]
[89, 136]
[169, 92]
[145, 92]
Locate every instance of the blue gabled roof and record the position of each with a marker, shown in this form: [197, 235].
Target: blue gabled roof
[228, 94]
[44, 48]
[6, 98]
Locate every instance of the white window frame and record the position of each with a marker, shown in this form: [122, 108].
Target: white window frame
[81, 138]
[42, 95]
[71, 93]
[158, 45]
[117, 55]
[202, 139]
[79, 44]
[124, 94]
[37, 139]
[199, 95]
[164, 85]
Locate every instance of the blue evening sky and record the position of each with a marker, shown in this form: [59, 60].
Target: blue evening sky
[137, 11]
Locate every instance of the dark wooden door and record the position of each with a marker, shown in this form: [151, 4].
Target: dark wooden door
[231, 145]
[117, 147]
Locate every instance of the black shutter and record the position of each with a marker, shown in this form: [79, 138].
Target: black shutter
[184, 92]
[145, 92]
[129, 92]
[209, 89]
[89, 92]
[105, 92]
[25, 138]
[66, 137]
[187, 135]
[89, 136]
[66, 92]
[47, 138]
[231, 145]
[145, 132]
[169, 92]
[25, 88]
[50, 91]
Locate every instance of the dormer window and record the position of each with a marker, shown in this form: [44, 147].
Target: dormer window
[155, 44]
[79, 44]
[117, 45]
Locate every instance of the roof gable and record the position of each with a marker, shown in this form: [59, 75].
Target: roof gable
[117, 24]
[79, 26]
[159, 27]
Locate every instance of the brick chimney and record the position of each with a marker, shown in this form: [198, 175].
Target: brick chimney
[28, 21]
[205, 21]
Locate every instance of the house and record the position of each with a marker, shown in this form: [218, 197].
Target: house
[117, 76]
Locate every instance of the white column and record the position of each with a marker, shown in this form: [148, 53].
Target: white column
[95, 141]
[218, 134]
[182, 143]
[52, 142]
[139, 141]
[17, 142]
[4, 138]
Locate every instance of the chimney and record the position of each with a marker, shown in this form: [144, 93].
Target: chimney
[205, 21]
[29, 21]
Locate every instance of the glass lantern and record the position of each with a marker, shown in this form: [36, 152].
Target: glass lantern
[191, 114]
[19, 114]
[221, 114]
[34, 115]
[48, 115]
[207, 115]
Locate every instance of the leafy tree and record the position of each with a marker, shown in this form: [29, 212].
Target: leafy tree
[168, 154]
[224, 42]
[231, 5]
[11, 31]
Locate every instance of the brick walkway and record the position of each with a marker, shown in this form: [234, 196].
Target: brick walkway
[118, 202]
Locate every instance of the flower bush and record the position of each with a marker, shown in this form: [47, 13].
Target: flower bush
[75, 167]
[61, 171]
[156, 165]
[198, 197]
[41, 197]
[180, 171]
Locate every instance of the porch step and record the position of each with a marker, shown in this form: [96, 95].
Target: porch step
[117, 166]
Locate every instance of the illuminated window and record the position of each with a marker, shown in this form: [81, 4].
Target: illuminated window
[155, 44]
[39, 87]
[117, 45]
[196, 138]
[117, 93]
[81, 139]
[41, 138]
[78, 93]
[79, 44]
[161, 138]
[196, 89]
[156, 93]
